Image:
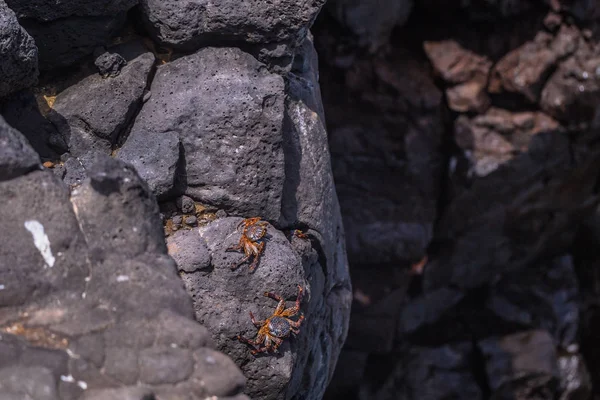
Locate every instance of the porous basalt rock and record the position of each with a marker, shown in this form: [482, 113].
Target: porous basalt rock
[95, 308]
[189, 25]
[226, 111]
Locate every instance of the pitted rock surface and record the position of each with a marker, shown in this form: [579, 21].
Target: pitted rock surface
[96, 308]
[190, 24]
[18, 54]
[227, 111]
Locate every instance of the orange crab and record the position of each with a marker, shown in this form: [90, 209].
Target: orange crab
[278, 326]
[251, 241]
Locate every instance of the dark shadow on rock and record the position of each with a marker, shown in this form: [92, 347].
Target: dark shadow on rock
[21, 111]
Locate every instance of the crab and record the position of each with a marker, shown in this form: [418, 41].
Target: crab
[299, 234]
[277, 327]
[250, 242]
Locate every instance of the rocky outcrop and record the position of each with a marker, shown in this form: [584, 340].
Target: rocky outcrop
[18, 54]
[93, 307]
[218, 121]
[270, 30]
[479, 298]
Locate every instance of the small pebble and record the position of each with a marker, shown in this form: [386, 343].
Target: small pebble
[221, 214]
[191, 220]
[177, 220]
[186, 205]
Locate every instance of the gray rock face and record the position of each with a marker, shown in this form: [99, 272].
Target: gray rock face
[189, 24]
[18, 54]
[16, 155]
[156, 158]
[63, 42]
[309, 196]
[221, 294]
[189, 251]
[227, 112]
[95, 309]
[44, 10]
[96, 123]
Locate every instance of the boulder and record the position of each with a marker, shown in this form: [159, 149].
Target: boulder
[16, 155]
[226, 111]
[464, 71]
[192, 24]
[93, 113]
[18, 54]
[95, 309]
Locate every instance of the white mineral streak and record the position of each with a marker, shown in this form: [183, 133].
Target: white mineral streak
[41, 241]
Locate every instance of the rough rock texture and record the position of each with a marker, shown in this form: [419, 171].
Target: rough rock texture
[190, 24]
[466, 71]
[226, 110]
[526, 69]
[95, 308]
[497, 136]
[96, 125]
[572, 93]
[18, 54]
[305, 198]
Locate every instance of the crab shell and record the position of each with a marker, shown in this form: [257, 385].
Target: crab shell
[279, 327]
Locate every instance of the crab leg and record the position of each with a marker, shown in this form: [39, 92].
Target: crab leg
[280, 306]
[237, 247]
[258, 250]
[256, 323]
[257, 342]
[243, 260]
[294, 310]
[296, 324]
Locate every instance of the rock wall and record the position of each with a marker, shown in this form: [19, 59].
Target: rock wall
[152, 130]
[465, 151]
